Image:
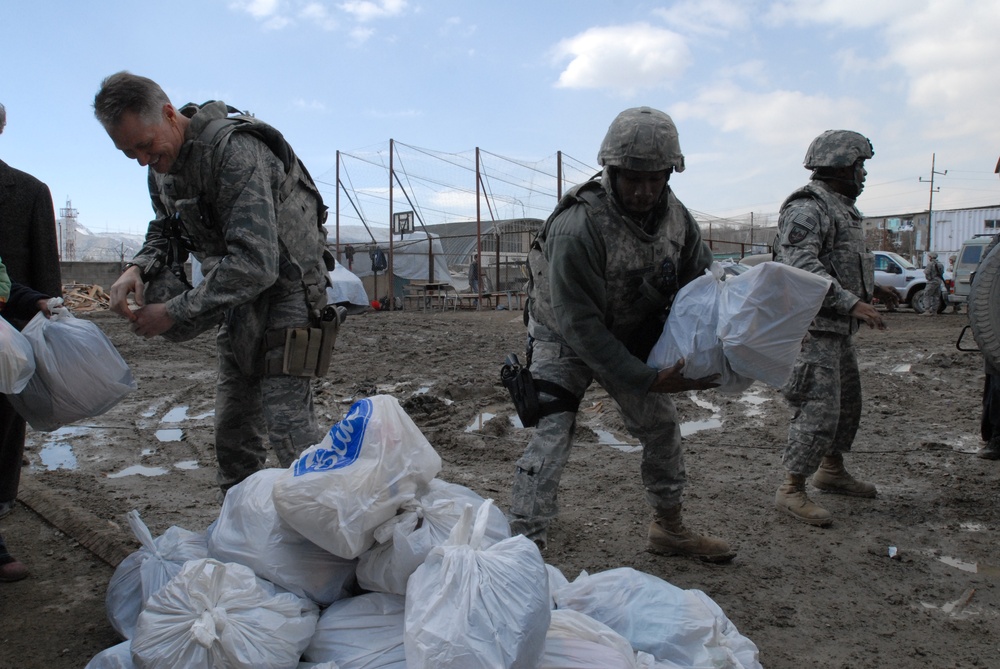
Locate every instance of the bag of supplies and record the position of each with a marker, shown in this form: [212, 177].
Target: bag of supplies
[17, 361]
[78, 372]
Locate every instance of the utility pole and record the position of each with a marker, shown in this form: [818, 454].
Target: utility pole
[930, 205]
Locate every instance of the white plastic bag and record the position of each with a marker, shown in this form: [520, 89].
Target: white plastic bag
[249, 531]
[365, 469]
[17, 361]
[147, 570]
[577, 641]
[763, 315]
[78, 372]
[405, 539]
[216, 615]
[691, 332]
[116, 657]
[363, 632]
[468, 608]
[681, 626]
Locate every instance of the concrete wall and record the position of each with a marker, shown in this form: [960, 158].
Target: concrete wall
[89, 273]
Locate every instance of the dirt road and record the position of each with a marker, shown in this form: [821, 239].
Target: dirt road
[808, 597]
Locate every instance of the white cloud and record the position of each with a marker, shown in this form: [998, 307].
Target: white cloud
[775, 118]
[259, 9]
[707, 17]
[316, 14]
[947, 51]
[361, 35]
[310, 105]
[622, 58]
[369, 10]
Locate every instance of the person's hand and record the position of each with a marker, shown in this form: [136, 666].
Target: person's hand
[669, 380]
[887, 296]
[129, 282]
[43, 306]
[869, 314]
[151, 320]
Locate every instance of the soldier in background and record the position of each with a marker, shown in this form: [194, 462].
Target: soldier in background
[232, 192]
[820, 231]
[934, 273]
[604, 270]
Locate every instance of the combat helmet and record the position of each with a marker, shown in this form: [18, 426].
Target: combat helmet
[837, 148]
[642, 139]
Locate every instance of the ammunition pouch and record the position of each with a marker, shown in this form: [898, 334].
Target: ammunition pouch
[304, 351]
[524, 393]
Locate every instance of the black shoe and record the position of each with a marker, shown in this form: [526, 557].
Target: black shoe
[991, 451]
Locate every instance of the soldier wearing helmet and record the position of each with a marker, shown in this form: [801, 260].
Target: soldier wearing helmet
[819, 230]
[934, 273]
[604, 269]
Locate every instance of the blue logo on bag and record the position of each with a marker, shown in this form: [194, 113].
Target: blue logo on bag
[346, 437]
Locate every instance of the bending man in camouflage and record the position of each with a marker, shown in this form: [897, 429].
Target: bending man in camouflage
[604, 269]
[234, 195]
[820, 231]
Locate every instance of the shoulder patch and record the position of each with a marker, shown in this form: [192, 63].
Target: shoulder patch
[797, 234]
[802, 217]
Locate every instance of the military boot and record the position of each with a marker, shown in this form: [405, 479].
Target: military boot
[792, 499]
[668, 536]
[832, 477]
[991, 451]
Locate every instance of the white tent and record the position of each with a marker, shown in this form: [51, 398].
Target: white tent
[411, 253]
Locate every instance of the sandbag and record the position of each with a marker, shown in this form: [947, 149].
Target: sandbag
[763, 315]
[691, 333]
[363, 632]
[147, 570]
[116, 657]
[250, 532]
[17, 361]
[78, 372]
[473, 608]
[577, 641]
[216, 615]
[404, 541]
[365, 469]
[681, 626]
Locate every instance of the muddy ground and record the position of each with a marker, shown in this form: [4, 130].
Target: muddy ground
[808, 597]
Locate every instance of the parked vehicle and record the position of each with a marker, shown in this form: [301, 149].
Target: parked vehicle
[895, 271]
[968, 260]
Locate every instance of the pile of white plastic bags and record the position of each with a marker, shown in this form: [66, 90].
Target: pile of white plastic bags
[359, 557]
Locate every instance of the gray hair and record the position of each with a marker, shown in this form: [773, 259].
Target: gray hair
[124, 92]
[3, 118]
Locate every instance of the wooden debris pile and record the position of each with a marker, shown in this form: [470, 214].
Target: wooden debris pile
[83, 297]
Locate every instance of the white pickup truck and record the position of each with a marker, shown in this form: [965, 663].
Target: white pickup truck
[895, 271]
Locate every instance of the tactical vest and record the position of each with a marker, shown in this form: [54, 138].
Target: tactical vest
[640, 269]
[845, 256]
[303, 254]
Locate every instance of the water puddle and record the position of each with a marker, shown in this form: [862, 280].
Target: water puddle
[141, 470]
[58, 456]
[754, 403]
[609, 439]
[515, 420]
[479, 421]
[173, 434]
[902, 369]
[178, 414]
[692, 426]
[186, 464]
[422, 390]
[971, 567]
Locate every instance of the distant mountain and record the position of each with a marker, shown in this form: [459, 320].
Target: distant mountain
[102, 247]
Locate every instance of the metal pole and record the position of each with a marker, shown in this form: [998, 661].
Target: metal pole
[391, 270]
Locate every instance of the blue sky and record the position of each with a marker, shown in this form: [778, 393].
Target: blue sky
[748, 84]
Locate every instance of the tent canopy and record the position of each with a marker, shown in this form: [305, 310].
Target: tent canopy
[413, 253]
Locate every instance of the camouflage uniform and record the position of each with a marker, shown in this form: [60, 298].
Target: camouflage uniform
[254, 224]
[934, 273]
[600, 285]
[820, 231]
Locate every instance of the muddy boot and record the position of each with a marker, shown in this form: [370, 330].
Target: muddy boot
[991, 451]
[792, 499]
[668, 536]
[832, 477]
